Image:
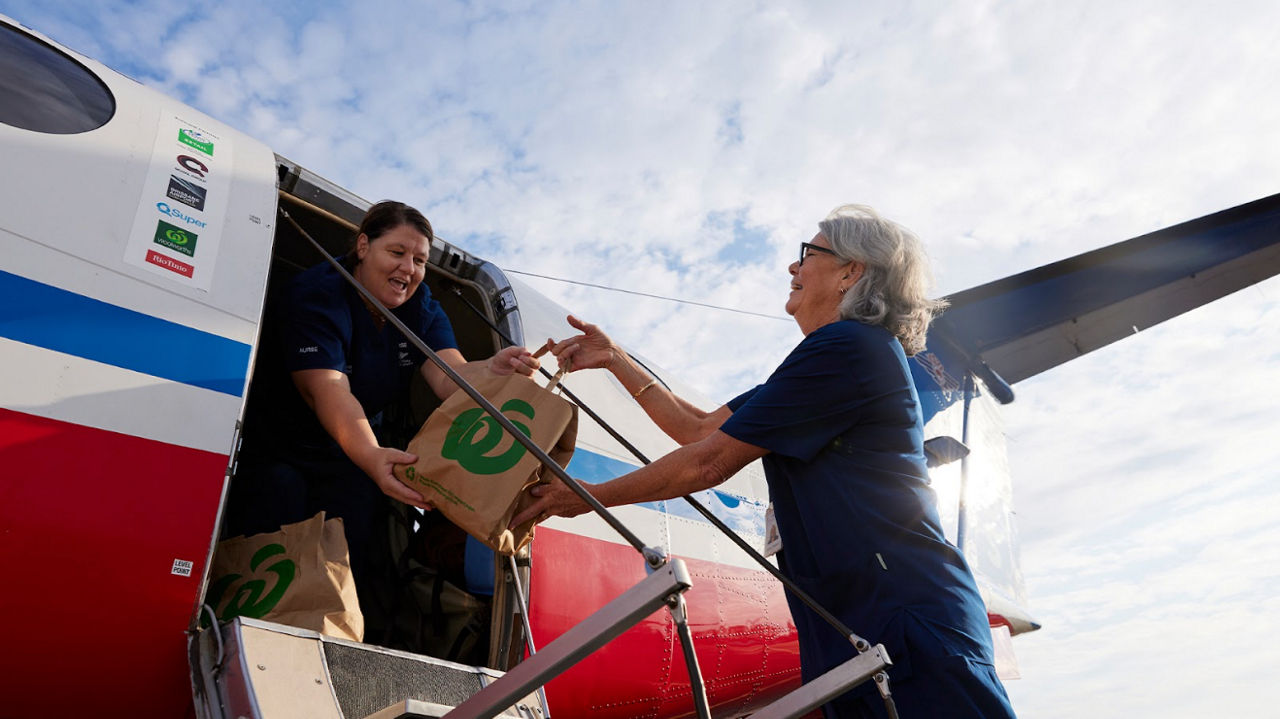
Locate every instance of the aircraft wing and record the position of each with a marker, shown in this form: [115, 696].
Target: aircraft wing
[1027, 323]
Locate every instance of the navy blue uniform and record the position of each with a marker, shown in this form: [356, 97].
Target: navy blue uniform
[290, 467]
[859, 525]
[326, 325]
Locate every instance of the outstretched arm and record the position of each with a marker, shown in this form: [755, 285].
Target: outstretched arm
[694, 467]
[328, 392]
[505, 362]
[678, 418]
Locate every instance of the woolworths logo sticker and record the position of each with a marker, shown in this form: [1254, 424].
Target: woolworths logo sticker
[176, 238]
[196, 139]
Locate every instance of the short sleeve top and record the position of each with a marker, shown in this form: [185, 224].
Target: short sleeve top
[847, 477]
[325, 324]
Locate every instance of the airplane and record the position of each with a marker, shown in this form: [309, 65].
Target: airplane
[142, 244]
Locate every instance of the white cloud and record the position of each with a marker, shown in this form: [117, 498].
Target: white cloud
[1148, 519]
[595, 141]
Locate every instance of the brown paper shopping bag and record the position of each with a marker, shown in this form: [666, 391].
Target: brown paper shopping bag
[474, 472]
[299, 575]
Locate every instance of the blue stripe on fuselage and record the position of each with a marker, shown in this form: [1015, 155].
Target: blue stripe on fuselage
[744, 516]
[38, 314]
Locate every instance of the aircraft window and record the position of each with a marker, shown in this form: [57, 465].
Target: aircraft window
[44, 90]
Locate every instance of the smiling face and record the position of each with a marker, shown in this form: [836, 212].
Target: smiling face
[816, 286]
[393, 264]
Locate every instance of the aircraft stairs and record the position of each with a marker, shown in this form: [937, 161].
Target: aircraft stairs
[251, 669]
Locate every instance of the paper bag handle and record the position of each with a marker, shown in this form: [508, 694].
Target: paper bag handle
[567, 368]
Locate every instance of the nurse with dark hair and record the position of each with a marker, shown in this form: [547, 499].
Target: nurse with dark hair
[332, 367]
[839, 430]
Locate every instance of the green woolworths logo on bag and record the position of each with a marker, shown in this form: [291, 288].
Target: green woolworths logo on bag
[248, 600]
[465, 445]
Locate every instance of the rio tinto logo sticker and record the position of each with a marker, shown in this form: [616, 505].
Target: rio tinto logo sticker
[170, 264]
[178, 225]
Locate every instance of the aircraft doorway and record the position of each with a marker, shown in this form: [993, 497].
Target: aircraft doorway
[440, 593]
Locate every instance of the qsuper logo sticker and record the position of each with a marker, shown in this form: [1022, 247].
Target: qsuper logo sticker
[176, 238]
[166, 209]
[186, 192]
[196, 139]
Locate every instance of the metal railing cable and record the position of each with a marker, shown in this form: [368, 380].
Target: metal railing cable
[523, 600]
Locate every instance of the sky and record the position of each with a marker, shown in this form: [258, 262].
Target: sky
[684, 149]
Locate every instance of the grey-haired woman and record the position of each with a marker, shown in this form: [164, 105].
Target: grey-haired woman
[839, 430]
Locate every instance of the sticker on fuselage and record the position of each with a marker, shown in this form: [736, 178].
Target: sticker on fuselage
[184, 198]
[182, 567]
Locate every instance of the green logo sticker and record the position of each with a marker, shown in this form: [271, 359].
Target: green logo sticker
[176, 238]
[466, 445]
[249, 599]
[195, 138]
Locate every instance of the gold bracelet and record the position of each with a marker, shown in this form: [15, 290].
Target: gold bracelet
[637, 393]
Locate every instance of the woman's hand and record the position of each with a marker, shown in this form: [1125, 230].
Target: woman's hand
[553, 500]
[590, 350]
[379, 462]
[328, 392]
[513, 359]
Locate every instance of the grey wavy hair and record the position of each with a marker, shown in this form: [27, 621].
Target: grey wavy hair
[892, 291]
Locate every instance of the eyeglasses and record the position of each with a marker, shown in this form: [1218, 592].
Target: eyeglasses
[806, 246]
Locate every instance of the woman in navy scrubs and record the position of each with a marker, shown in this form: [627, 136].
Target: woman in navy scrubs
[335, 365]
[839, 429]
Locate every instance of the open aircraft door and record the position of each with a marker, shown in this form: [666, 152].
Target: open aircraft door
[134, 239]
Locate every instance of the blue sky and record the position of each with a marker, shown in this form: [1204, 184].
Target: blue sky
[686, 148]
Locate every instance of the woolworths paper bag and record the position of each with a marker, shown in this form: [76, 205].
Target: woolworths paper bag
[299, 575]
[474, 472]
